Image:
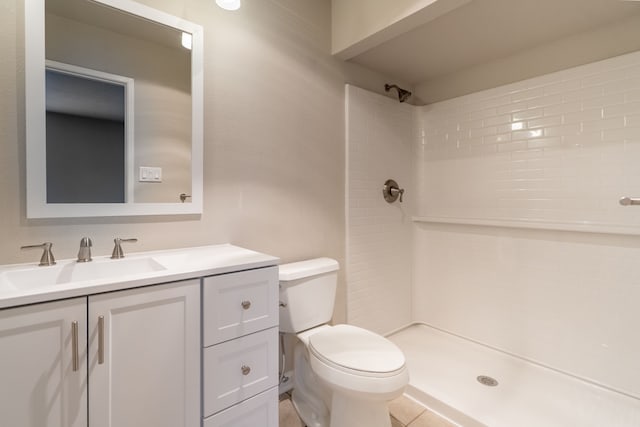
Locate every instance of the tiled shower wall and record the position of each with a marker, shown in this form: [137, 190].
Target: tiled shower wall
[560, 149]
[554, 152]
[380, 134]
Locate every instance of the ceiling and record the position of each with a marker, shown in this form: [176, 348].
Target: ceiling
[486, 30]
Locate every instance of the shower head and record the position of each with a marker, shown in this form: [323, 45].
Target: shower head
[403, 94]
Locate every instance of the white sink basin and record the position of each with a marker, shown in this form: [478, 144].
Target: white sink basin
[71, 271]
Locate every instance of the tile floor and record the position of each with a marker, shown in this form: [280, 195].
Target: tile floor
[404, 413]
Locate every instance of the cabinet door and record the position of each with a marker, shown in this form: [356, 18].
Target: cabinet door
[39, 384]
[144, 357]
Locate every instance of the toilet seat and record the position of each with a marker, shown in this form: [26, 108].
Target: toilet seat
[357, 351]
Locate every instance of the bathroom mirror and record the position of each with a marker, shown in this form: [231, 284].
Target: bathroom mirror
[113, 110]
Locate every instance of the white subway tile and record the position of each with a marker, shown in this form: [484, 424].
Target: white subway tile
[632, 95]
[582, 94]
[512, 126]
[598, 125]
[544, 143]
[497, 139]
[581, 116]
[617, 86]
[562, 87]
[605, 76]
[622, 109]
[497, 120]
[562, 130]
[512, 108]
[545, 101]
[512, 146]
[474, 124]
[481, 114]
[527, 94]
[567, 126]
[527, 134]
[583, 139]
[496, 101]
[632, 120]
[603, 101]
[531, 113]
[613, 135]
[475, 133]
[554, 110]
[544, 122]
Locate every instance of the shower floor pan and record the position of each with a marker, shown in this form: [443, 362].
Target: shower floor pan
[444, 371]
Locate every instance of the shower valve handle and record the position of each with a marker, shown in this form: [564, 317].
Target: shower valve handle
[396, 191]
[391, 191]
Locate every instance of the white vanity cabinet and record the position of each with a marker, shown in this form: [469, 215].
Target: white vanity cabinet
[142, 366]
[176, 338]
[240, 349]
[38, 383]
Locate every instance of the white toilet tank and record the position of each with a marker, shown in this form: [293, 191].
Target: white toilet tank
[307, 293]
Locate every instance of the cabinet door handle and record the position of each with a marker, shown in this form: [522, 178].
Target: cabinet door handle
[245, 370]
[74, 346]
[246, 304]
[100, 340]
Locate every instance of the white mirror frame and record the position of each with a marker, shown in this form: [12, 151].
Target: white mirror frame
[35, 116]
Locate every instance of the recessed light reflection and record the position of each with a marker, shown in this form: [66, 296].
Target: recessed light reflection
[187, 41]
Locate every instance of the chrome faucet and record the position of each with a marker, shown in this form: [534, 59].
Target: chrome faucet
[84, 254]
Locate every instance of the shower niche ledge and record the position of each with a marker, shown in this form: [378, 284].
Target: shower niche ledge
[579, 226]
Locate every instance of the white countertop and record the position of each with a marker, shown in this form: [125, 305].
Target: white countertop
[171, 265]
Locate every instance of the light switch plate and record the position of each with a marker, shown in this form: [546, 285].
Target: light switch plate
[150, 174]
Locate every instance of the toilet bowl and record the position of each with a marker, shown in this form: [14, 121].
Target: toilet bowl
[343, 375]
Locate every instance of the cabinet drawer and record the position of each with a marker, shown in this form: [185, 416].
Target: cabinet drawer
[261, 410]
[238, 369]
[237, 304]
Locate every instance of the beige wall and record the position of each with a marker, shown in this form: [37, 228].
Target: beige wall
[274, 139]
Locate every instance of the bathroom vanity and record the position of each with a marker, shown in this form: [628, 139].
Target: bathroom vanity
[168, 338]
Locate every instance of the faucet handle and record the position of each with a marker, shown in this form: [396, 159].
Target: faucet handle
[47, 256]
[117, 249]
[84, 254]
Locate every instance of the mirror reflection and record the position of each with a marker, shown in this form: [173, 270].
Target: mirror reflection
[86, 138]
[102, 139]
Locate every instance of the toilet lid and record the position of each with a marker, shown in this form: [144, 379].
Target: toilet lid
[356, 349]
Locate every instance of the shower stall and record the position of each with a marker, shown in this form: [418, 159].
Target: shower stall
[508, 275]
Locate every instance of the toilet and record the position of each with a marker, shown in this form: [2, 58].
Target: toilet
[343, 375]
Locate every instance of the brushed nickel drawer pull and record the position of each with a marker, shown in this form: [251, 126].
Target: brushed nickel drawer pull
[74, 344]
[100, 340]
[246, 305]
[245, 370]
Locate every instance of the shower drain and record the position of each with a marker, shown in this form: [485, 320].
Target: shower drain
[488, 381]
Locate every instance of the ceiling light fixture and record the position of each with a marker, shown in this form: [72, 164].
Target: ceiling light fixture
[229, 4]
